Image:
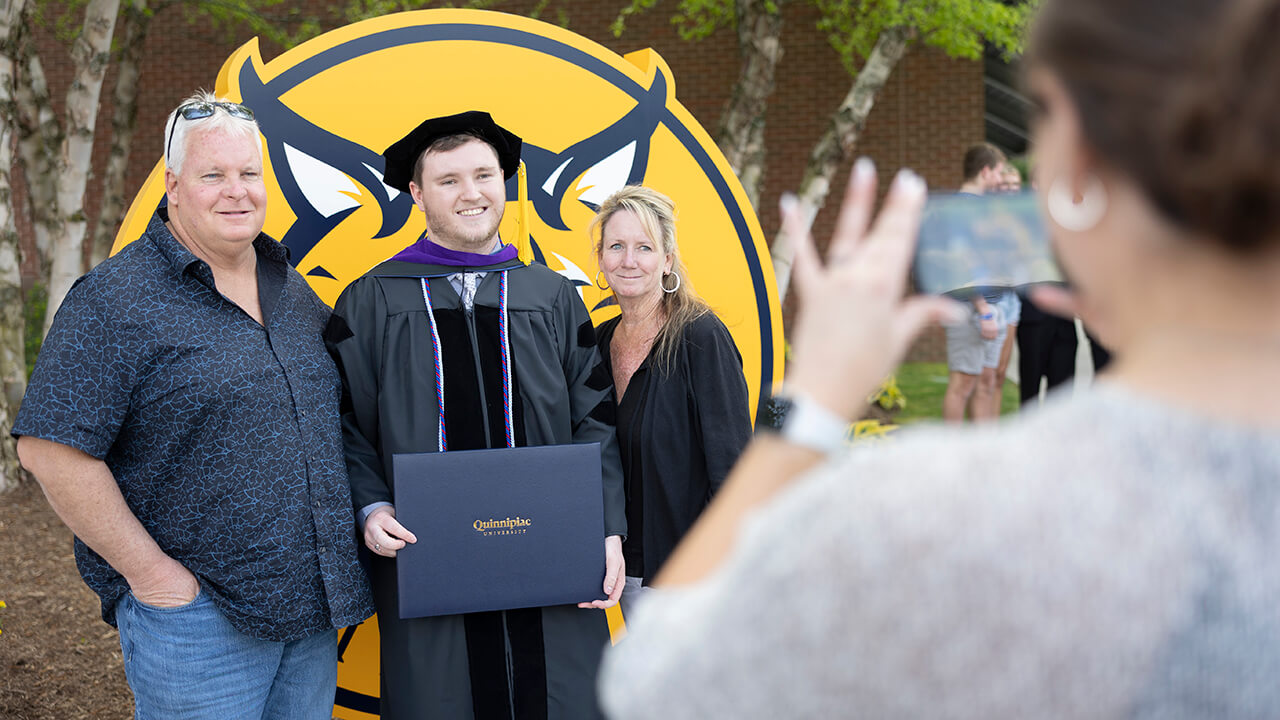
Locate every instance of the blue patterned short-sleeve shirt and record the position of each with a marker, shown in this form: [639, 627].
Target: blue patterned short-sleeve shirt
[222, 433]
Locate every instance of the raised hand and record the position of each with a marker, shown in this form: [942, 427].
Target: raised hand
[854, 323]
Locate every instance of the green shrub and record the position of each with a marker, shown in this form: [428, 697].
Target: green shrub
[33, 309]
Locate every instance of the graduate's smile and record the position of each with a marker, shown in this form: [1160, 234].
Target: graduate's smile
[463, 195]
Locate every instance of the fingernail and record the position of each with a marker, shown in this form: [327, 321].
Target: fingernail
[909, 182]
[788, 202]
[864, 169]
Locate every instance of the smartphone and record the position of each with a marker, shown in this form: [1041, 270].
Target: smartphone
[969, 243]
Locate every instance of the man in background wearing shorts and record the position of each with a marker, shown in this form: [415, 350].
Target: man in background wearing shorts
[974, 346]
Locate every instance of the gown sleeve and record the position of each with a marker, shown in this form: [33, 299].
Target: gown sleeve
[354, 337]
[592, 410]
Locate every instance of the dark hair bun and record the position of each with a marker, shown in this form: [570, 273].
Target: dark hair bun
[1224, 133]
[1184, 97]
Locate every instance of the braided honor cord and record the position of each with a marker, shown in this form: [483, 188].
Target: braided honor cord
[503, 340]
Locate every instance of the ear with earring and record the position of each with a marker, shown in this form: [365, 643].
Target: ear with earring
[673, 288]
[606, 288]
[1077, 215]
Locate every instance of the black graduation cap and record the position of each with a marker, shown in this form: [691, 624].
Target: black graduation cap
[403, 153]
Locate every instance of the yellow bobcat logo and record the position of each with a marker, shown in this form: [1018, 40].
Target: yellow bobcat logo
[592, 121]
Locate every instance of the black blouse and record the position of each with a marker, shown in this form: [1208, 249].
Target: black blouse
[679, 433]
[630, 439]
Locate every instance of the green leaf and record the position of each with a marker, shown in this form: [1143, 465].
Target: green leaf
[957, 27]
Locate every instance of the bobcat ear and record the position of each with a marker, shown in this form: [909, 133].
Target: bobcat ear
[571, 272]
[607, 176]
[325, 187]
[391, 192]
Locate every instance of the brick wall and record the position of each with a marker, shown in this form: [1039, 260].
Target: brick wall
[930, 110]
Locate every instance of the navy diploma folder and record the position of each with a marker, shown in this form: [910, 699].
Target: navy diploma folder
[499, 529]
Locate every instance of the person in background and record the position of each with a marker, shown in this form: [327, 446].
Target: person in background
[1046, 351]
[1010, 305]
[1010, 179]
[1047, 346]
[183, 422]
[1110, 556]
[974, 346]
[682, 398]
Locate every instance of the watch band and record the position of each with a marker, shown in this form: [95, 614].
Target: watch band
[800, 420]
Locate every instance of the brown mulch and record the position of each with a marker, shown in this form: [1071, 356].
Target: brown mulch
[57, 658]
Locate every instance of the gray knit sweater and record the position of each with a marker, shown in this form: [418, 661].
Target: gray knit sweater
[1106, 557]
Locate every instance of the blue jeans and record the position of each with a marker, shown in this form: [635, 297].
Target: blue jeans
[188, 662]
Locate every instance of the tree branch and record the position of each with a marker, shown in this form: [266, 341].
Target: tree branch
[837, 142]
[741, 132]
[91, 53]
[13, 366]
[135, 21]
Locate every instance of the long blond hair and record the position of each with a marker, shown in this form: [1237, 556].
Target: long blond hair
[657, 215]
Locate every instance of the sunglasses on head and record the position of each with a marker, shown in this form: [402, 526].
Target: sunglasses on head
[200, 110]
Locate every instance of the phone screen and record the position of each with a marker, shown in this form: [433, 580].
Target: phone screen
[971, 242]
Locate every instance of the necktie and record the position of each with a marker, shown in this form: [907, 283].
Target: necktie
[468, 290]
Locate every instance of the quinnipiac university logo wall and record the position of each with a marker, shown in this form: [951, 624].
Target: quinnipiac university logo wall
[592, 121]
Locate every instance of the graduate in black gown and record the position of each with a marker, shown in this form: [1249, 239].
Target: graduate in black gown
[513, 350]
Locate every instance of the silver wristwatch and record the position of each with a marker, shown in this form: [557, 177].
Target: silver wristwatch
[801, 420]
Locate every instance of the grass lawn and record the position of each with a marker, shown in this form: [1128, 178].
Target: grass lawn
[924, 384]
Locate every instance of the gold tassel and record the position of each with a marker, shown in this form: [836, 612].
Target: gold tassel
[523, 243]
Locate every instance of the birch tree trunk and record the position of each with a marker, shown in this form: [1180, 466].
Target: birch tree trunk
[135, 20]
[13, 366]
[741, 132]
[39, 137]
[834, 145]
[91, 53]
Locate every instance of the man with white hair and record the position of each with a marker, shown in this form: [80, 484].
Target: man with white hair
[182, 419]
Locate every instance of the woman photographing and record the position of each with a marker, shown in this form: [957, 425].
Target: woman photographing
[1111, 555]
[677, 374]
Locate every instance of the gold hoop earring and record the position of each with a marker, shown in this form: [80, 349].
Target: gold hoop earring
[606, 288]
[675, 275]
